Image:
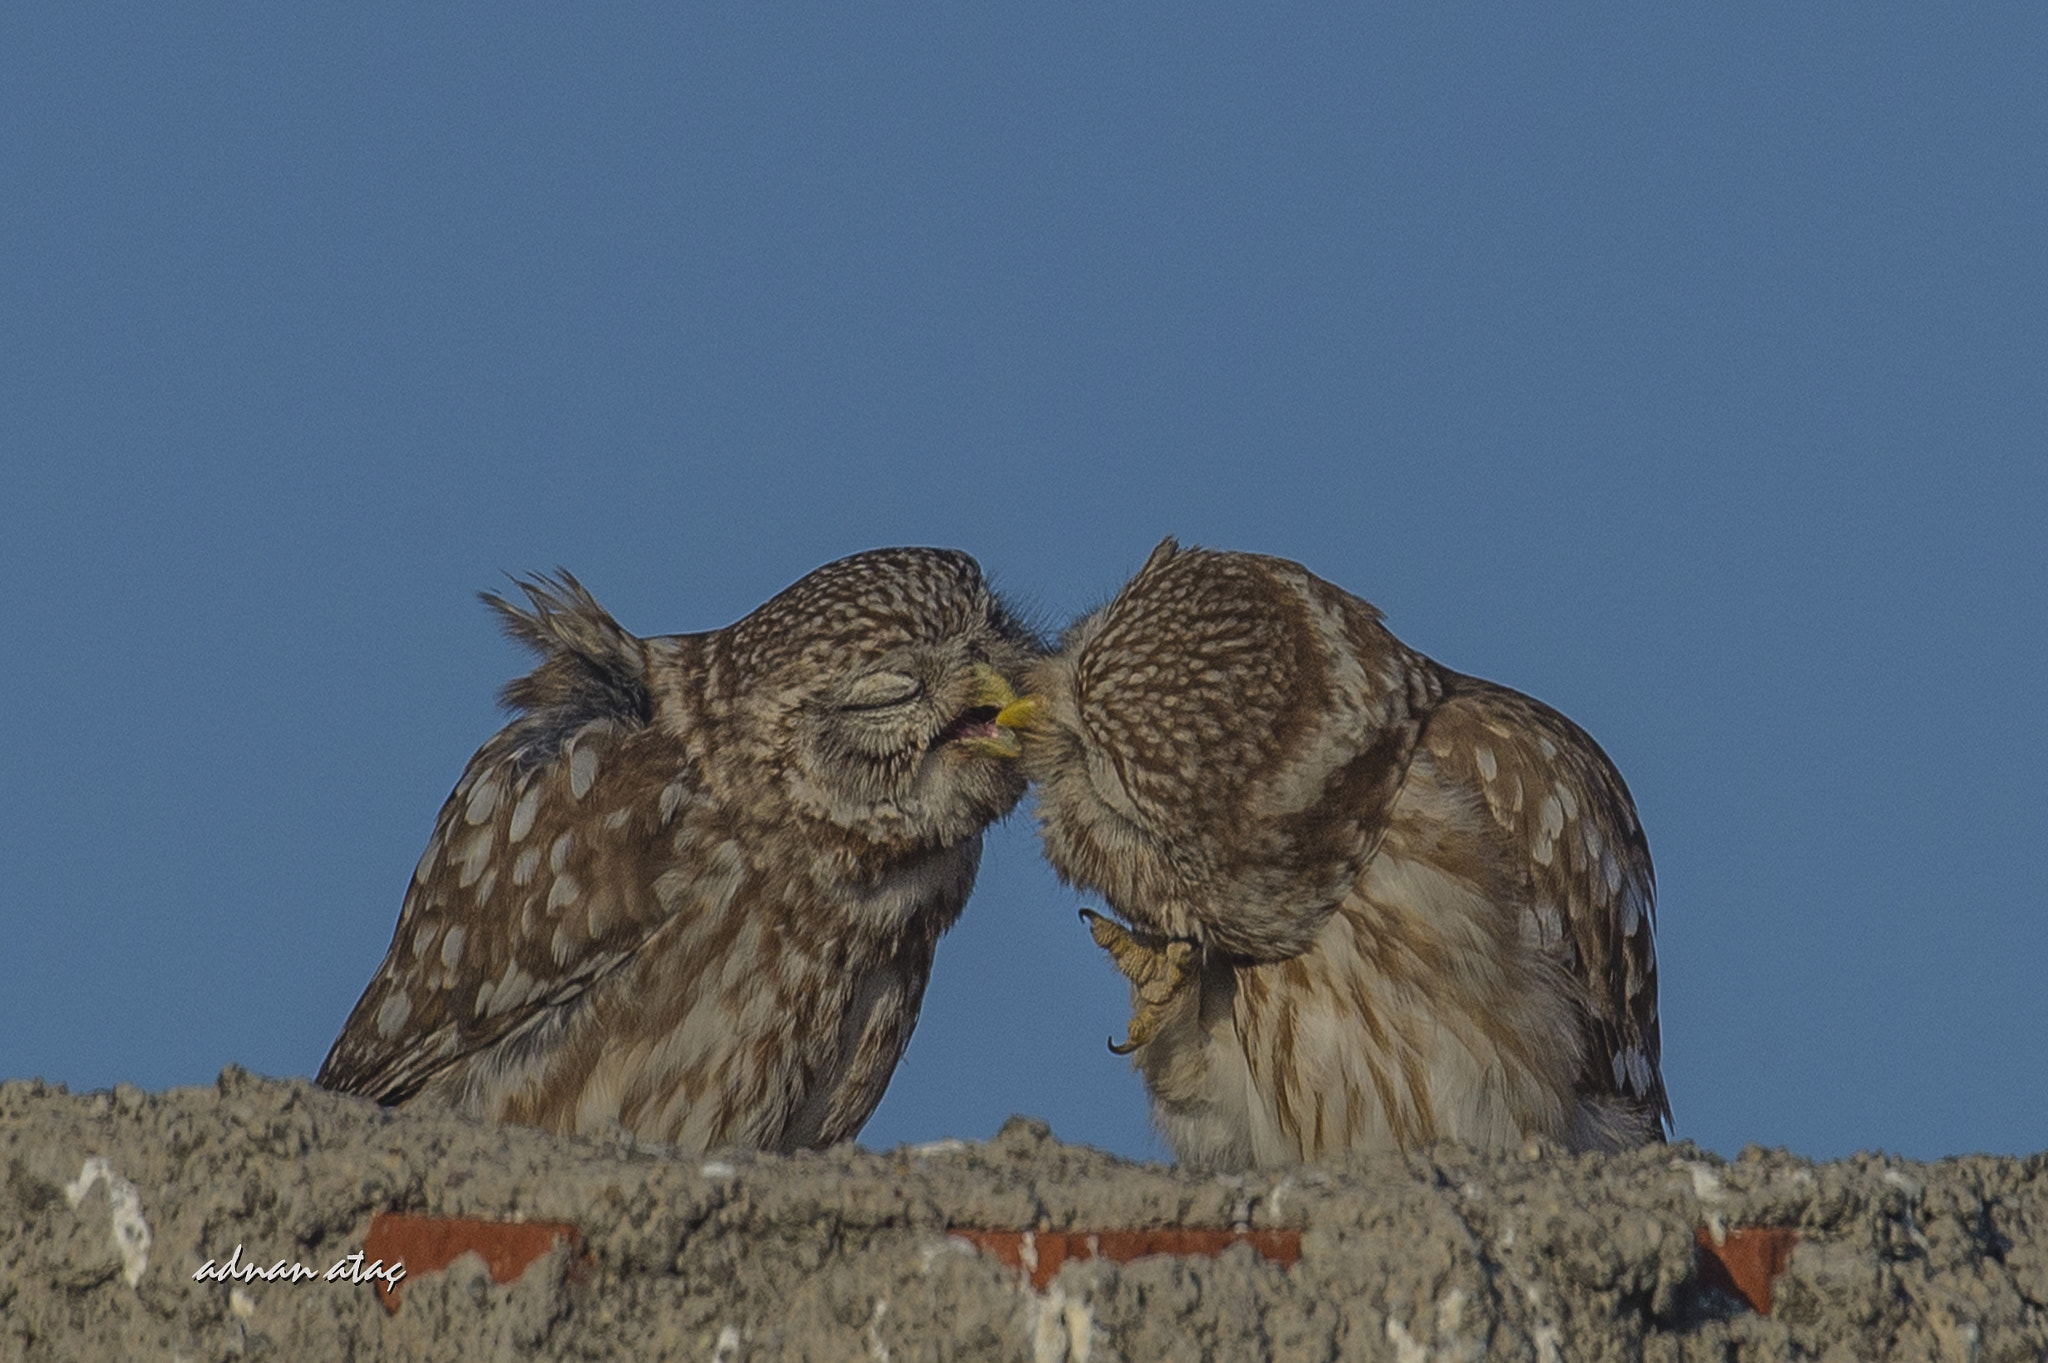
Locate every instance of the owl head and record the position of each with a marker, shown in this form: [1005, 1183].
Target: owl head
[873, 697]
[1214, 746]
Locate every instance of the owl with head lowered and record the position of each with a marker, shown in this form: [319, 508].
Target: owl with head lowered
[1366, 903]
[693, 889]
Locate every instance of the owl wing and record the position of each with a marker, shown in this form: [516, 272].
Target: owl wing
[1591, 890]
[540, 875]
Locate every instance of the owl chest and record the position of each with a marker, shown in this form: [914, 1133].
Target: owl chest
[1358, 1045]
[853, 1026]
[771, 1011]
[920, 897]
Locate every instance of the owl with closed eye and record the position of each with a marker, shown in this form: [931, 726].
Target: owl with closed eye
[692, 889]
[1364, 902]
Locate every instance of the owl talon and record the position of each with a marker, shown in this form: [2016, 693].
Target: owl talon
[1161, 970]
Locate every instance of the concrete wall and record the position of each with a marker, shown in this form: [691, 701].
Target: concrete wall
[111, 1202]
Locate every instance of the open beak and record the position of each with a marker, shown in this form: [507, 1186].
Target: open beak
[993, 716]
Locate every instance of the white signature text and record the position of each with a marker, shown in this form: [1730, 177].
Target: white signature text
[349, 1269]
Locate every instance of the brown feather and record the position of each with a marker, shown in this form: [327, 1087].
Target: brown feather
[693, 888]
[1422, 902]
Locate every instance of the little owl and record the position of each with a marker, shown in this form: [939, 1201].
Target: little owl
[693, 888]
[1372, 903]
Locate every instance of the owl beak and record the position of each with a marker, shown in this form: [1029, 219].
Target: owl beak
[994, 715]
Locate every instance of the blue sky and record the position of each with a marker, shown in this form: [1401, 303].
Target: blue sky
[1688, 370]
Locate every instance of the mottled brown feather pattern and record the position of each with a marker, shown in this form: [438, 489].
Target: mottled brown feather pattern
[693, 889]
[1582, 853]
[1422, 902]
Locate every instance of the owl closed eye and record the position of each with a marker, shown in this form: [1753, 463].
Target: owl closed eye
[693, 888]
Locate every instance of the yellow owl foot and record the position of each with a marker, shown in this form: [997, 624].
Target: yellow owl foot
[1160, 970]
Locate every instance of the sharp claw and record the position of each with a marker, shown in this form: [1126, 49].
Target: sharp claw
[1159, 971]
[1111, 937]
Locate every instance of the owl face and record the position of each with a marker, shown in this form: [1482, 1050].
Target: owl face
[1210, 751]
[894, 702]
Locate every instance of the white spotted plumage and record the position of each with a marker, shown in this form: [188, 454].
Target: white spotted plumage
[1372, 902]
[693, 889]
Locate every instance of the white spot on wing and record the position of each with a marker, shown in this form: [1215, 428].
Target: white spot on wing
[483, 802]
[1487, 766]
[473, 855]
[523, 869]
[424, 938]
[582, 770]
[1553, 820]
[523, 813]
[1566, 799]
[514, 987]
[393, 1014]
[451, 947]
[563, 893]
[558, 854]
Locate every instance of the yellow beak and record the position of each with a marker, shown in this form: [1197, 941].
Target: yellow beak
[1013, 712]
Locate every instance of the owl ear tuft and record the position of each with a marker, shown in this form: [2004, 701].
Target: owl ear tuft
[591, 668]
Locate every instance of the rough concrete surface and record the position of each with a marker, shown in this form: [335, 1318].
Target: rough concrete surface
[109, 1203]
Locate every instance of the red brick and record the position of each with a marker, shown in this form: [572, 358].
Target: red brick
[1746, 1262]
[1050, 1249]
[428, 1244]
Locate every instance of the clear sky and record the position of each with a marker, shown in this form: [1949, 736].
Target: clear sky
[1686, 367]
